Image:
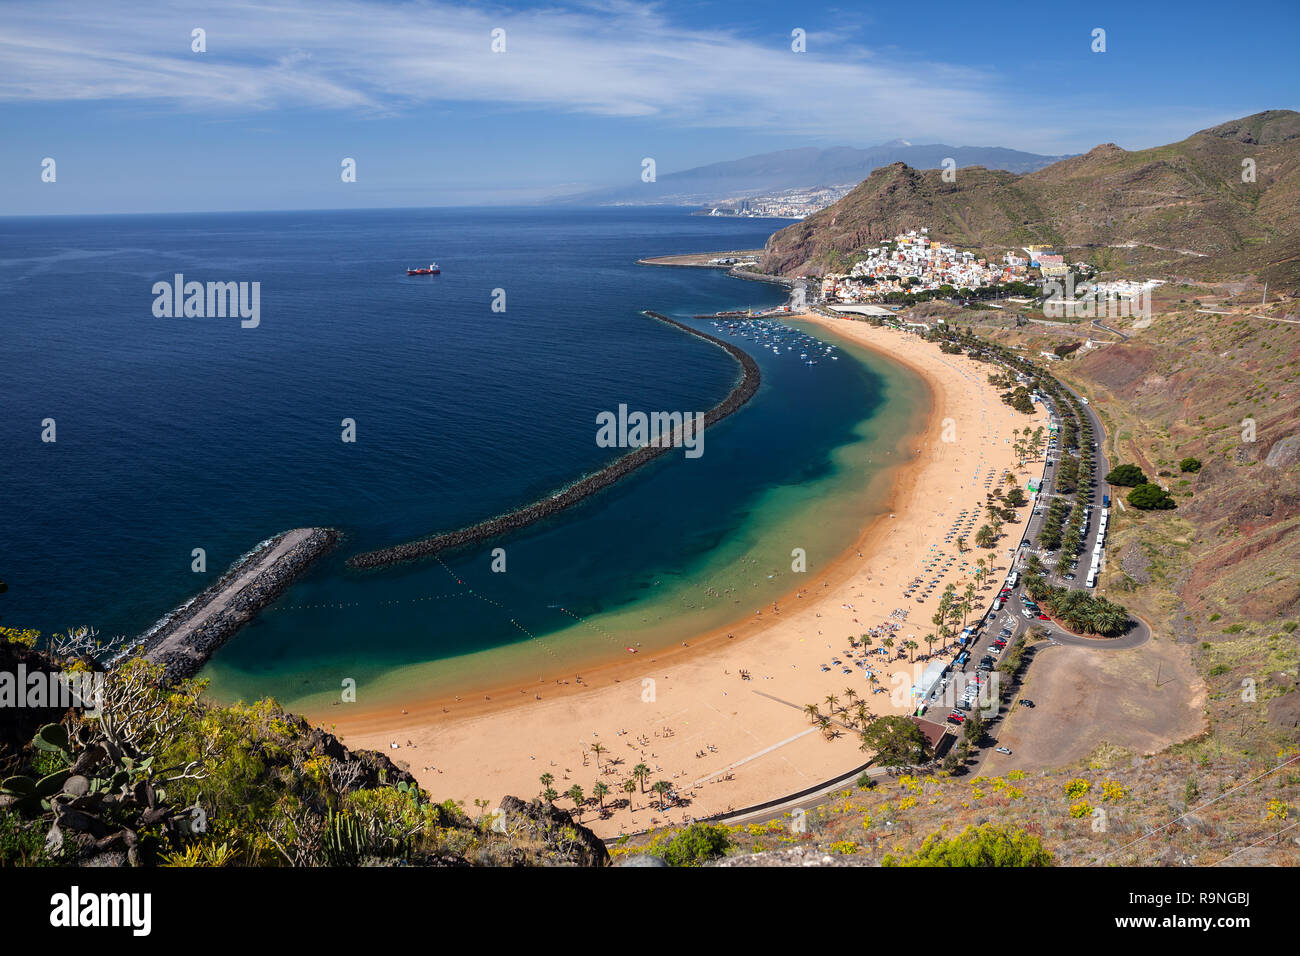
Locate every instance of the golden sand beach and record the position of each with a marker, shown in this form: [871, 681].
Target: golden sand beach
[722, 719]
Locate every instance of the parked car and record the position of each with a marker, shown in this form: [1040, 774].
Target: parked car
[956, 717]
[1004, 750]
[1027, 702]
[1043, 617]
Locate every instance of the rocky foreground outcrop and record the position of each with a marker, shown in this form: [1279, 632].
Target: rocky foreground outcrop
[570, 843]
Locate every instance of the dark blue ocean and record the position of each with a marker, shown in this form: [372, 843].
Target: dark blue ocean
[183, 433]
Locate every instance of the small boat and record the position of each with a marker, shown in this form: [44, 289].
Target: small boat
[433, 270]
[631, 650]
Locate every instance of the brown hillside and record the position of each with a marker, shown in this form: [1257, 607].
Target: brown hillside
[1184, 205]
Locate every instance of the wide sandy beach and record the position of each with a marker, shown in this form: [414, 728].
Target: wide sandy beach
[722, 720]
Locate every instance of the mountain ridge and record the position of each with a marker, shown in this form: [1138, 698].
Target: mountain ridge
[804, 167]
[1199, 204]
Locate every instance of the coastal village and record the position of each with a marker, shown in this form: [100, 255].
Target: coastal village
[912, 262]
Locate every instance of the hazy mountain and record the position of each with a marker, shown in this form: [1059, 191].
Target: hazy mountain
[805, 168]
[1192, 203]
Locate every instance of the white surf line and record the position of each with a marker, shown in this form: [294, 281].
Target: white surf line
[754, 756]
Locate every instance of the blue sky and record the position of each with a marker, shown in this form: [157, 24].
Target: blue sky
[138, 122]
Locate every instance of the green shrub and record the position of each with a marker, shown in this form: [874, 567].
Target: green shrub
[698, 843]
[1126, 475]
[1149, 497]
[987, 845]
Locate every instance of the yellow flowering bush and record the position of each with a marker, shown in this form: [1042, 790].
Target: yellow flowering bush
[24, 636]
[1110, 790]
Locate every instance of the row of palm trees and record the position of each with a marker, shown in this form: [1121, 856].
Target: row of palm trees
[854, 713]
[640, 774]
[1026, 444]
[1078, 610]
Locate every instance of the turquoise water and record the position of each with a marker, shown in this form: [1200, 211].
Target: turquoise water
[183, 433]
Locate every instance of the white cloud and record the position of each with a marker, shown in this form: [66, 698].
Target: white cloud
[605, 59]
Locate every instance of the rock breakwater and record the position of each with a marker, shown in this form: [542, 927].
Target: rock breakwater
[186, 638]
[741, 393]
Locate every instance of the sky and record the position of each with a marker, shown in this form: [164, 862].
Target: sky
[137, 120]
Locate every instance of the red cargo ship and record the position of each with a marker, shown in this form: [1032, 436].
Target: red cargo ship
[433, 270]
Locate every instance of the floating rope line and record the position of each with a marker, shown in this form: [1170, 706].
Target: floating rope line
[582, 620]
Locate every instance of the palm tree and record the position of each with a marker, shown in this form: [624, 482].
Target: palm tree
[911, 646]
[1106, 618]
[850, 693]
[831, 701]
[888, 643]
[549, 795]
[600, 791]
[961, 544]
[929, 642]
[629, 787]
[578, 797]
[641, 773]
[597, 749]
[547, 779]
[813, 711]
[661, 787]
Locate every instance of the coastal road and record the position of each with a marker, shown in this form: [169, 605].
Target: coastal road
[1013, 614]
[1097, 323]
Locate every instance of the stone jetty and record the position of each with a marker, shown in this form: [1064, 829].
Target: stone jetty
[184, 640]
